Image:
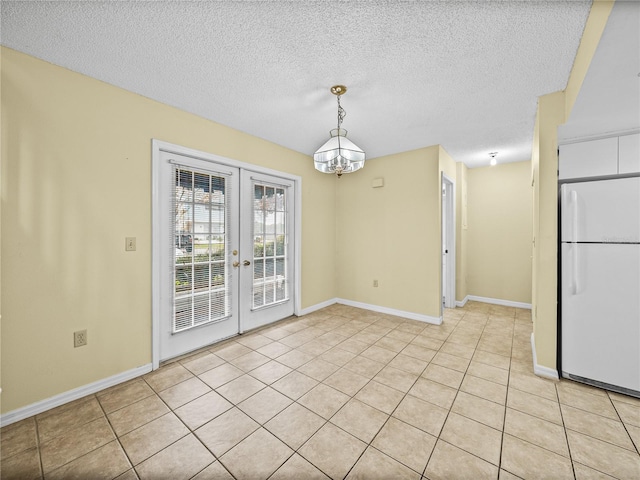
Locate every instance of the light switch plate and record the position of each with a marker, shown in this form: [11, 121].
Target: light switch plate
[130, 244]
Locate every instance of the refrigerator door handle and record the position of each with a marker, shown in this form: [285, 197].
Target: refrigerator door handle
[574, 274]
[574, 202]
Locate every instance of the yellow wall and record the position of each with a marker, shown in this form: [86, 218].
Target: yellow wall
[553, 110]
[461, 231]
[392, 233]
[551, 113]
[499, 232]
[76, 180]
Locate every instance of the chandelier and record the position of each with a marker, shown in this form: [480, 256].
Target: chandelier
[339, 154]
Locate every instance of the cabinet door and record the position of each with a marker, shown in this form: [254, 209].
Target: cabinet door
[629, 161]
[589, 159]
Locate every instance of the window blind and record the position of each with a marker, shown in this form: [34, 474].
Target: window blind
[201, 273]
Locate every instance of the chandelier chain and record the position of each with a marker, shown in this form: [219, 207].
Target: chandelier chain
[341, 113]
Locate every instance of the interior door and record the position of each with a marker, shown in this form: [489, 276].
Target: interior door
[227, 259]
[444, 244]
[448, 244]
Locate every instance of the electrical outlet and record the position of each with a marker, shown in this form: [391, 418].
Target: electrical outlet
[130, 244]
[375, 283]
[79, 338]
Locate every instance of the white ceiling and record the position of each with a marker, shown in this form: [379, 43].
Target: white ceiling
[463, 74]
[609, 100]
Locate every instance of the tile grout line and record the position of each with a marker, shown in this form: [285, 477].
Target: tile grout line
[37, 428]
[504, 419]
[624, 425]
[117, 437]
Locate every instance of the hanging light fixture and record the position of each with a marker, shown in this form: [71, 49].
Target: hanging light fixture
[339, 154]
[493, 158]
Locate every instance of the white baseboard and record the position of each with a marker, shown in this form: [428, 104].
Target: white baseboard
[66, 397]
[392, 311]
[463, 302]
[497, 301]
[539, 369]
[318, 306]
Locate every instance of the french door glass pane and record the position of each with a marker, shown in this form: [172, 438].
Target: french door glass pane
[270, 282]
[201, 293]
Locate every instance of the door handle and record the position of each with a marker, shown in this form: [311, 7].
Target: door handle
[574, 280]
[246, 263]
[574, 201]
[236, 264]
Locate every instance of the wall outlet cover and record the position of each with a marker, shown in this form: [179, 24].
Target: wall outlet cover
[79, 338]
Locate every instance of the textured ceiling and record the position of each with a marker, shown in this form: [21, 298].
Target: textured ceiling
[463, 74]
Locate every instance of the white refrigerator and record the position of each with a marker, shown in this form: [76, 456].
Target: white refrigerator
[600, 283]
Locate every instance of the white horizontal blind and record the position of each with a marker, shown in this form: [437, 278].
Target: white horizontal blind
[270, 245]
[201, 239]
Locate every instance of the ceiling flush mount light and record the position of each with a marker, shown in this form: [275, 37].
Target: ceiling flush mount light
[339, 154]
[493, 158]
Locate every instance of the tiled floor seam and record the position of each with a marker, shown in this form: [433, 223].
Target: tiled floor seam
[506, 400]
[624, 425]
[117, 437]
[595, 469]
[36, 426]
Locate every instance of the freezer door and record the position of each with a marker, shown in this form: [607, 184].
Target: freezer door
[601, 313]
[602, 211]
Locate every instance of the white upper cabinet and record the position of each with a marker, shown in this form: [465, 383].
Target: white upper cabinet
[629, 160]
[589, 159]
[597, 158]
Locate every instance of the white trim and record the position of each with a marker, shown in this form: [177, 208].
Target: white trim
[66, 397]
[392, 311]
[156, 147]
[155, 253]
[297, 246]
[317, 306]
[540, 370]
[498, 301]
[463, 302]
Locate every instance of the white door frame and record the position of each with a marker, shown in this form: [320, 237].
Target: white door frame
[156, 147]
[448, 277]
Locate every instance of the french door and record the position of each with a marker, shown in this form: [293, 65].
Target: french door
[226, 261]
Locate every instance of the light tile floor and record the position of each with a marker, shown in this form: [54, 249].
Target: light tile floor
[339, 393]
